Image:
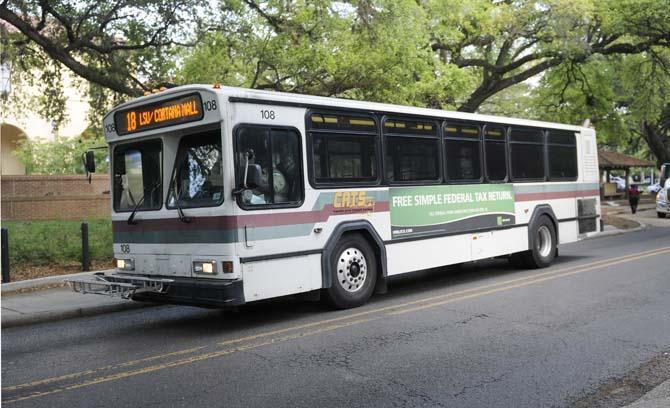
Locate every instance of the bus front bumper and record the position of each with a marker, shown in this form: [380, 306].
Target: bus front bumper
[169, 290]
[663, 206]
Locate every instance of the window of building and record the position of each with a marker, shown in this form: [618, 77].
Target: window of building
[463, 152]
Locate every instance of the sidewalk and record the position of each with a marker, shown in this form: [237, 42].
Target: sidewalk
[57, 304]
[659, 397]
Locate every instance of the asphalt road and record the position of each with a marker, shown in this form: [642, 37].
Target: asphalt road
[478, 335]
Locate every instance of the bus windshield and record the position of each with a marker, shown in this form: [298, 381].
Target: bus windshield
[197, 179]
[137, 176]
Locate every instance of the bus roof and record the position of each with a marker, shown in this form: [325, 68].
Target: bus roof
[262, 96]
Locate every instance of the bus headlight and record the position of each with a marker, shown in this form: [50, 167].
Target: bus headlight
[207, 267]
[125, 264]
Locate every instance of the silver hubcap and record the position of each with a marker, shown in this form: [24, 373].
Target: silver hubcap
[544, 241]
[352, 269]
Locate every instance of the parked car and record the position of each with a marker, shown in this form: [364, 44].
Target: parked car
[620, 183]
[654, 188]
[663, 201]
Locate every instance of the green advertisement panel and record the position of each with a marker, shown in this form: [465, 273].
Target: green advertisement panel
[428, 210]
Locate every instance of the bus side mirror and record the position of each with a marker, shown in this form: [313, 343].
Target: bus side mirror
[89, 161]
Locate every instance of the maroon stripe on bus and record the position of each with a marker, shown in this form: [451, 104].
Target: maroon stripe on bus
[555, 195]
[233, 222]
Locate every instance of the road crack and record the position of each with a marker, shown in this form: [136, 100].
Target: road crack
[480, 384]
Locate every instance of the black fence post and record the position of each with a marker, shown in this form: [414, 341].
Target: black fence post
[85, 255]
[5, 256]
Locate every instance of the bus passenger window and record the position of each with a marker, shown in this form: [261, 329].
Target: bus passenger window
[463, 152]
[496, 155]
[344, 148]
[562, 154]
[527, 154]
[412, 150]
[412, 159]
[277, 152]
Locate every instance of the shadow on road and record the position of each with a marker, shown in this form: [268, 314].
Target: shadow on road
[292, 308]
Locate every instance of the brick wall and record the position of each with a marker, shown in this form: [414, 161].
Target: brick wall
[60, 197]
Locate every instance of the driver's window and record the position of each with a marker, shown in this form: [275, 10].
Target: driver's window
[277, 153]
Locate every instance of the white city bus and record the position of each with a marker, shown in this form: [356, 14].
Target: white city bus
[224, 196]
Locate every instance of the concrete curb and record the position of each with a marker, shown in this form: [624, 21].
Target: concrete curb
[618, 232]
[25, 320]
[7, 288]
[658, 397]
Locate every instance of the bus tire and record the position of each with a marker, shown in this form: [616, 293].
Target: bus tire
[660, 214]
[543, 245]
[354, 275]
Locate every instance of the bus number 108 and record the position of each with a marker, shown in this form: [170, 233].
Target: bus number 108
[267, 114]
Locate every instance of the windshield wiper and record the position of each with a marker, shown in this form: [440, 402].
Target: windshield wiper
[173, 193]
[131, 219]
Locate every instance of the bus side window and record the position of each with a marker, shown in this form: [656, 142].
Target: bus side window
[463, 152]
[345, 148]
[527, 153]
[562, 155]
[412, 150]
[495, 152]
[277, 152]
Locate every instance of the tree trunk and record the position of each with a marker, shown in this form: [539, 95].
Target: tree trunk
[659, 143]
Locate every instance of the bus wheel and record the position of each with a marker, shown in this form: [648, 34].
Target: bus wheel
[354, 272]
[660, 214]
[543, 245]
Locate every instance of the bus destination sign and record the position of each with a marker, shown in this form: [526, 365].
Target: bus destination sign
[169, 112]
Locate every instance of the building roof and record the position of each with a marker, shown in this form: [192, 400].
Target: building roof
[614, 160]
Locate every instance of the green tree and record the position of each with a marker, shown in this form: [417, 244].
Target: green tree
[120, 45]
[437, 53]
[63, 155]
[360, 51]
[627, 98]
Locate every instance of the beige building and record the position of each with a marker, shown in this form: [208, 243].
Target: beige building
[18, 121]
[9, 137]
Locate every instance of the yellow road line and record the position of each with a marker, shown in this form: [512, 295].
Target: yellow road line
[189, 360]
[428, 299]
[93, 371]
[522, 284]
[450, 297]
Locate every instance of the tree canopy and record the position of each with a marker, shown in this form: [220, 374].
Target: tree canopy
[586, 58]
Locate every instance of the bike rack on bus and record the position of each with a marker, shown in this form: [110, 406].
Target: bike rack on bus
[118, 285]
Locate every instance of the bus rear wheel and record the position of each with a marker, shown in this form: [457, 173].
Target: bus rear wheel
[543, 246]
[353, 272]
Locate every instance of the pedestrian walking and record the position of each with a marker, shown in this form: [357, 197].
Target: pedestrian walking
[633, 197]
